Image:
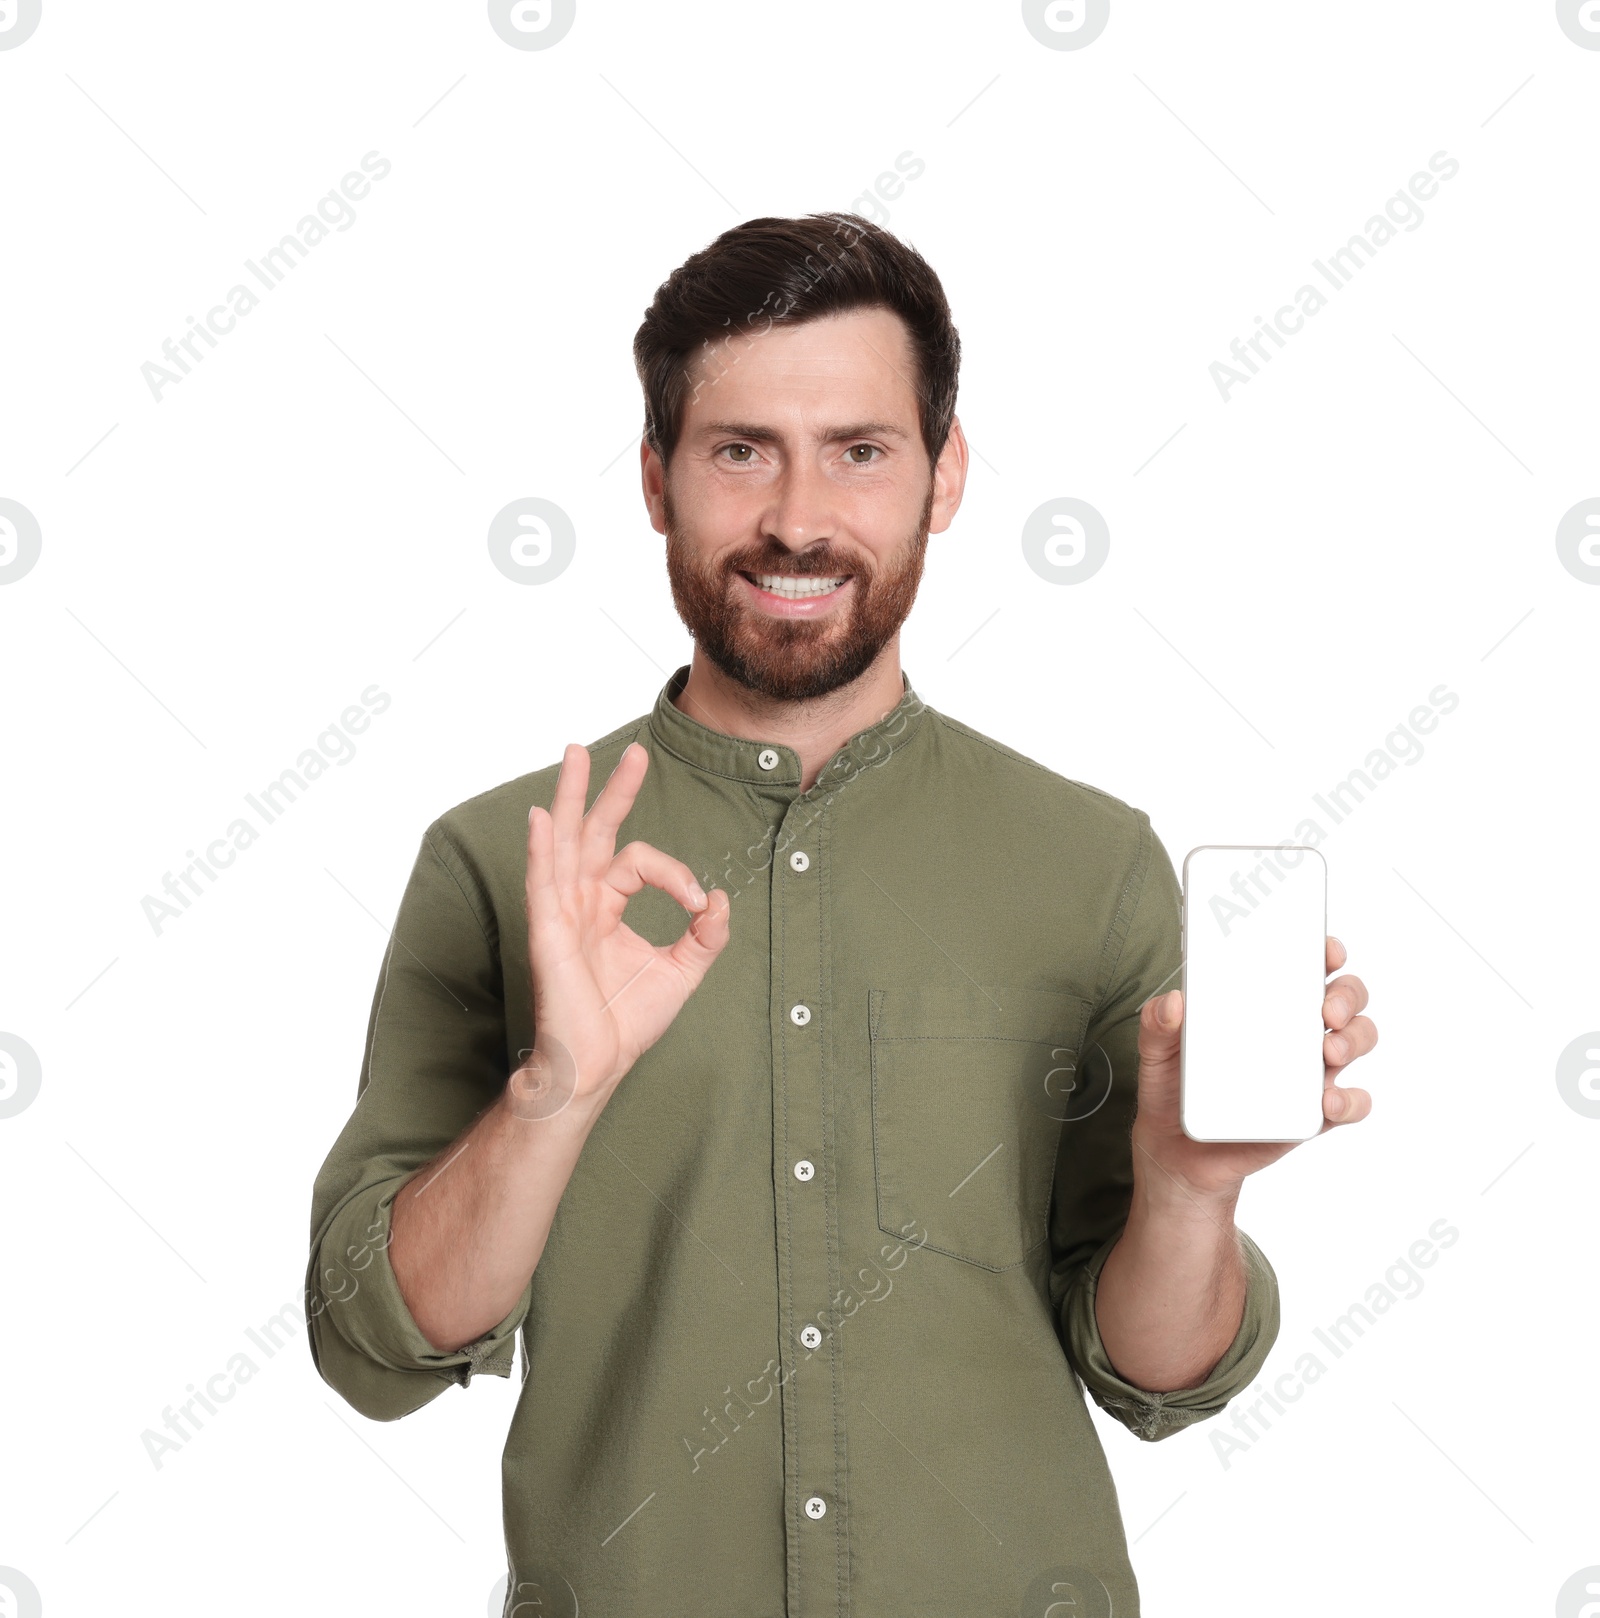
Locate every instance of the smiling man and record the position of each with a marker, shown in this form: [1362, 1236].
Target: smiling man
[818, 1213]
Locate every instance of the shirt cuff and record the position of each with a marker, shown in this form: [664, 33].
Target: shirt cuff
[1158, 1415]
[353, 1288]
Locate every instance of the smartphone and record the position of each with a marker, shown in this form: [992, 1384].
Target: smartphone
[1255, 924]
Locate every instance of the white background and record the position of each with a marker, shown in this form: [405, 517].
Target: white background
[1371, 517]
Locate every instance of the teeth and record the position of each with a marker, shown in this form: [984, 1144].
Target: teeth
[796, 589]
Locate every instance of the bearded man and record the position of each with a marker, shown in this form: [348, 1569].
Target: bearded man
[816, 1215]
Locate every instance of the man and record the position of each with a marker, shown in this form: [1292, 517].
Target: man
[812, 1212]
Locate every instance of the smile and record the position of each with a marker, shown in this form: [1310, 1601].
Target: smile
[792, 595]
[795, 588]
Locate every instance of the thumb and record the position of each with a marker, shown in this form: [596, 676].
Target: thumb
[1160, 1031]
[703, 939]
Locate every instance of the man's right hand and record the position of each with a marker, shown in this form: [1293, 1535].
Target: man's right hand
[470, 1226]
[602, 995]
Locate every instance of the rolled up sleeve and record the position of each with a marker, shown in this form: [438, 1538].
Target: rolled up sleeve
[364, 1340]
[1158, 1415]
[1094, 1166]
[435, 1059]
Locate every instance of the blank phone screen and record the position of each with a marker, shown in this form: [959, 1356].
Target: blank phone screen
[1254, 976]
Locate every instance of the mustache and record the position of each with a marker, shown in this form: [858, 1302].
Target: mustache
[793, 567]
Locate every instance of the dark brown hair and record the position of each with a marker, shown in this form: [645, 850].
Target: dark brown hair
[722, 298]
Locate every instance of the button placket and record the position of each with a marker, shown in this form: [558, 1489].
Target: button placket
[808, 1264]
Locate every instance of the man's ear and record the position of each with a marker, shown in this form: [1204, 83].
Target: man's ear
[949, 479]
[652, 478]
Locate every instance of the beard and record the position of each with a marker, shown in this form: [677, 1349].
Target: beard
[793, 659]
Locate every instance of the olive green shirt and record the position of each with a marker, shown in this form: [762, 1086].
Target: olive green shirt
[811, 1331]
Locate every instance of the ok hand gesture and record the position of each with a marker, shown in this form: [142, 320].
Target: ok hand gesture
[602, 996]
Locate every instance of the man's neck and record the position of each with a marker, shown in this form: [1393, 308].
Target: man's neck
[815, 729]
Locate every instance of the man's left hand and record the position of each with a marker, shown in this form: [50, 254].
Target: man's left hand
[1168, 1163]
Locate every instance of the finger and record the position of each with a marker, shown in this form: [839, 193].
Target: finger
[566, 810]
[544, 902]
[1344, 997]
[609, 810]
[702, 939]
[1345, 1106]
[1160, 1025]
[1335, 953]
[1344, 1045]
[639, 864]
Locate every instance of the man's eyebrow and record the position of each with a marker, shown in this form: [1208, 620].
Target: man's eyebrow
[769, 435]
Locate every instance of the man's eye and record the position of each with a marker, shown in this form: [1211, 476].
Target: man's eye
[873, 448]
[733, 449]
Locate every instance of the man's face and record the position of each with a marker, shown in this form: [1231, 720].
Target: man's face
[800, 500]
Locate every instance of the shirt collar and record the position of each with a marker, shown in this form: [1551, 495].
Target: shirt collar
[770, 763]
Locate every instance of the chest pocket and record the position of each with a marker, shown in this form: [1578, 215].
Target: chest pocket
[966, 1113]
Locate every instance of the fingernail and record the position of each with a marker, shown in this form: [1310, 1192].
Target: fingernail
[1339, 1045]
[1336, 1104]
[697, 895]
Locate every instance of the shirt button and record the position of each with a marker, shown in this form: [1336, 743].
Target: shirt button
[799, 860]
[810, 1336]
[767, 759]
[816, 1507]
[799, 1015]
[805, 1169]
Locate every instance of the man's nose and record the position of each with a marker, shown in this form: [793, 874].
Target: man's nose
[804, 507]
